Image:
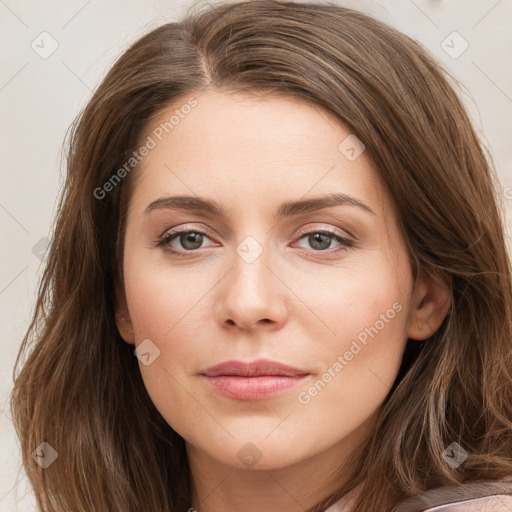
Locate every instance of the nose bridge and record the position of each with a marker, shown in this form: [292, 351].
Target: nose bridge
[251, 276]
[251, 292]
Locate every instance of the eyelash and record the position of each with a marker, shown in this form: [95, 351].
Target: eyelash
[164, 241]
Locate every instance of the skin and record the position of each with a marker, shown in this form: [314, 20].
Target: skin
[298, 303]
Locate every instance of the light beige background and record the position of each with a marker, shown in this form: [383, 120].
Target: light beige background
[39, 98]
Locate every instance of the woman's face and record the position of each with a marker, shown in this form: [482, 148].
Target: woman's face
[305, 267]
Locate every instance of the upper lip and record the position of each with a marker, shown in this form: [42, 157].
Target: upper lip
[254, 369]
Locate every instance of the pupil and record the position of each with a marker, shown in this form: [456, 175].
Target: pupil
[317, 239]
[192, 238]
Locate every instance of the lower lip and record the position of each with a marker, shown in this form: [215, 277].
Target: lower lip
[253, 388]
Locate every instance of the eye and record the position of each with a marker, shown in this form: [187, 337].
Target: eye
[189, 239]
[320, 240]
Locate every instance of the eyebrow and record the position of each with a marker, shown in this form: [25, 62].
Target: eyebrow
[286, 209]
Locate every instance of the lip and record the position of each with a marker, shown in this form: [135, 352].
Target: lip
[255, 380]
[255, 368]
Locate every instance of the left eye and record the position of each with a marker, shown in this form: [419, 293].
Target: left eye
[189, 240]
[321, 240]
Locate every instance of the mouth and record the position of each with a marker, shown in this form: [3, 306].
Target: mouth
[256, 380]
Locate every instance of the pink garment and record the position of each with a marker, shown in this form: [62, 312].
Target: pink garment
[477, 497]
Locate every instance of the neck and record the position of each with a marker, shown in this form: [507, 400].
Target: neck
[217, 487]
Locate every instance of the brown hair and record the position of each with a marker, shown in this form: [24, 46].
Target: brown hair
[80, 388]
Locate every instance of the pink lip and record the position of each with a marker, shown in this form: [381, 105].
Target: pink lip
[253, 381]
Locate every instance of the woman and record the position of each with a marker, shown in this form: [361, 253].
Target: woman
[283, 211]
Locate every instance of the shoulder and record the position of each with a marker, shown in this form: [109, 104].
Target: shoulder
[483, 496]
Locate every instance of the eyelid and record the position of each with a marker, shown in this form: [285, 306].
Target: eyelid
[345, 243]
[186, 227]
[331, 229]
[302, 231]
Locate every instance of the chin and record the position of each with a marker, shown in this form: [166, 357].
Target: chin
[258, 452]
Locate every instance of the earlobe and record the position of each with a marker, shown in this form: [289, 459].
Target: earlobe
[123, 320]
[430, 306]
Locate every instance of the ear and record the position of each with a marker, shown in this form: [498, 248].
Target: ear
[123, 320]
[430, 304]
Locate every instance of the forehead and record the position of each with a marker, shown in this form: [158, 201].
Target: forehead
[249, 149]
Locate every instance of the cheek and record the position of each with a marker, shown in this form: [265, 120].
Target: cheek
[367, 316]
[161, 300]
[357, 371]
[371, 299]
[162, 311]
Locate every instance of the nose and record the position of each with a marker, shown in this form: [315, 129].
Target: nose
[252, 295]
